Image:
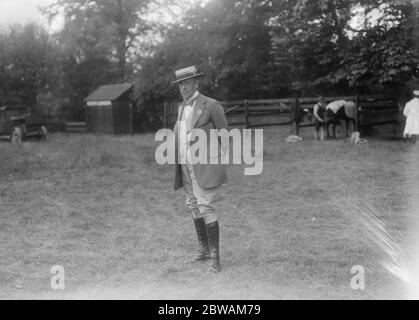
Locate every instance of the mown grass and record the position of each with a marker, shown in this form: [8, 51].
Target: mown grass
[101, 207]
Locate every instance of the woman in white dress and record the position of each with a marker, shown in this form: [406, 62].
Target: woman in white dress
[411, 112]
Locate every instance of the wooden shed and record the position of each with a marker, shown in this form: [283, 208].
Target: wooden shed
[109, 109]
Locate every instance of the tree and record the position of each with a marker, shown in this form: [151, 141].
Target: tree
[96, 40]
[392, 57]
[229, 41]
[28, 63]
[105, 28]
[317, 42]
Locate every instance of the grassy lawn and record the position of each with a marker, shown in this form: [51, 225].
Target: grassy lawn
[104, 210]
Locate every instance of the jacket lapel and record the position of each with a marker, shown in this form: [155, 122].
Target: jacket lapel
[200, 106]
[180, 113]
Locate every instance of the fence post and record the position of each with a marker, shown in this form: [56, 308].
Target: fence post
[297, 116]
[358, 109]
[153, 112]
[246, 113]
[165, 121]
[131, 118]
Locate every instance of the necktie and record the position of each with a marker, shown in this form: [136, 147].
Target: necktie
[188, 111]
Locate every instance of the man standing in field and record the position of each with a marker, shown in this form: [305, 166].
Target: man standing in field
[318, 113]
[201, 182]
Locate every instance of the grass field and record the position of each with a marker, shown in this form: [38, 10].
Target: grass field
[104, 210]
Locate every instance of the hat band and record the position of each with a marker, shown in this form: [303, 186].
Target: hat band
[186, 75]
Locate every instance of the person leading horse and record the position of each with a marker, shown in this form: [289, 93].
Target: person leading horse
[341, 110]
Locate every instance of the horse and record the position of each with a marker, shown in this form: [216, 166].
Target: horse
[341, 110]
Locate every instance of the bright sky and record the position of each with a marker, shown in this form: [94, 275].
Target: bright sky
[23, 11]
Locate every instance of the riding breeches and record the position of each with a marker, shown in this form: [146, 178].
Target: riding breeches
[199, 200]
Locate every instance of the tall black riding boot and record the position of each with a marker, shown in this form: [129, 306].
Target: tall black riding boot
[213, 230]
[201, 232]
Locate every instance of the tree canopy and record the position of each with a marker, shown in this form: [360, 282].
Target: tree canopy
[256, 49]
[28, 62]
[247, 49]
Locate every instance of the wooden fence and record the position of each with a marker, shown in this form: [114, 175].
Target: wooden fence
[75, 127]
[246, 113]
[55, 123]
[372, 110]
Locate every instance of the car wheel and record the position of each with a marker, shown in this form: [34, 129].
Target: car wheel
[16, 136]
[43, 133]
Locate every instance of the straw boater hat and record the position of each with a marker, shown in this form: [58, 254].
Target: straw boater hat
[187, 73]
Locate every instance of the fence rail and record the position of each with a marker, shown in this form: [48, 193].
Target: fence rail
[75, 127]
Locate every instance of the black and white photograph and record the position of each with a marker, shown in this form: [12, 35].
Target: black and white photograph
[209, 150]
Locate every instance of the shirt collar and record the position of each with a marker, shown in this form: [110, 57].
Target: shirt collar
[191, 100]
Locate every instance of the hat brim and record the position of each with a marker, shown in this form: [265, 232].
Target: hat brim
[199, 75]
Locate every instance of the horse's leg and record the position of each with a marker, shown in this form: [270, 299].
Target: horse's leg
[356, 124]
[350, 121]
[347, 127]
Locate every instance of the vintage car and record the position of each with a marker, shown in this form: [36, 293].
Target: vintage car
[17, 122]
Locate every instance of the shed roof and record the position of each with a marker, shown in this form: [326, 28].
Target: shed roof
[109, 92]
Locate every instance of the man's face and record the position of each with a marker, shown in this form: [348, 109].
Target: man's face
[188, 87]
